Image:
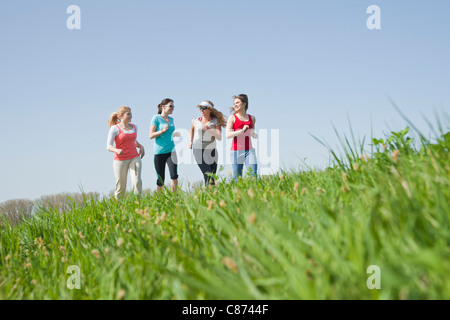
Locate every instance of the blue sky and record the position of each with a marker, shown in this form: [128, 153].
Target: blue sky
[305, 65]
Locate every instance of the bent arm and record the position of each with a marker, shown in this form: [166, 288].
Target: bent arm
[191, 136]
[230, 133]
[154, 133]
[113, 132]
[218, 133]
[112, 149]
[254, 135]
[138, 145]
[141, 149]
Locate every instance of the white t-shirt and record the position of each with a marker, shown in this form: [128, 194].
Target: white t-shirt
[204, 139]
[113, 132]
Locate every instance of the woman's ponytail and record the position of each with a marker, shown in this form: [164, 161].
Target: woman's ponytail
[113, 119]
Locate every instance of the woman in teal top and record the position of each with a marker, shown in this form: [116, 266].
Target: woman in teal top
[162, 130]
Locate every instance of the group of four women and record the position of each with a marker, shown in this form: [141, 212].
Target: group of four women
[205, 130]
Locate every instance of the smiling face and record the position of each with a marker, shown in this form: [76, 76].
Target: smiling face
[239, 105]
[126, 116]
[205, 111]
[168, 108]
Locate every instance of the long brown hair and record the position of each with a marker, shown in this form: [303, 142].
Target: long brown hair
[163, 103]
[217, 114]
[114, 117]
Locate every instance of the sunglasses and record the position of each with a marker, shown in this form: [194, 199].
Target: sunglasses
[203, 108]
[170, 106]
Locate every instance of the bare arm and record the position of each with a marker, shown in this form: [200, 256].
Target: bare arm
[141, 149]
[230, 133]
[217, 132]
[254, 135]
[115, 150]
[191, 136]
[154, 133]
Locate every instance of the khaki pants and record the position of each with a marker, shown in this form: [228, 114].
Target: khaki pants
[120, 173]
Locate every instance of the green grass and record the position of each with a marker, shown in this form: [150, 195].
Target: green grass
[298, 235]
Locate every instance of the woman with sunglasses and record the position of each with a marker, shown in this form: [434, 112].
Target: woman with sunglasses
[241, 128]
[162, 130]
[205, 130]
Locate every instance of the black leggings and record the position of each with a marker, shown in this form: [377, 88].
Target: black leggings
[160, 166]
[207, 161]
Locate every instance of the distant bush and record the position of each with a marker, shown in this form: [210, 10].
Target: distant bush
[63, 202]
[16, 210]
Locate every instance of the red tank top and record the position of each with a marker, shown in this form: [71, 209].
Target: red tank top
[126, 142]
[243, 141]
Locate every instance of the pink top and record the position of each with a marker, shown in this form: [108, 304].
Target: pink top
[126, 142]
[243, 141]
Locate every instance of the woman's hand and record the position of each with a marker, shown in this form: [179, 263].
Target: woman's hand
[176, 134]
[119, 151]
[206, 128]
[141, 152]
[190, 145]
[245, 128]
[165, 128]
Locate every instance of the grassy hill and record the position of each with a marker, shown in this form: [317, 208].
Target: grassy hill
[298, 235]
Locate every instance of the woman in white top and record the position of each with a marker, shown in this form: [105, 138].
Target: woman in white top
[204, 132]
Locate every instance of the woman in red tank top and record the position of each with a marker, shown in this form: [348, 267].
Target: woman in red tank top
[123, 135]
[241, 128]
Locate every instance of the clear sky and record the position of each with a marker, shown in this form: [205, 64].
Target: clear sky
[305, 65]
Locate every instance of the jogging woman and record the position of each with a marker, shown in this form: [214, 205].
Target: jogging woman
[162, 130]
[241, 128]
[123, 134]
[205, 130]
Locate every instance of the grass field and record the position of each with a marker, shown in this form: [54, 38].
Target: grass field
[309, 234]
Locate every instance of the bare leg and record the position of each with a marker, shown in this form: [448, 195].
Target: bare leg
[174, 185]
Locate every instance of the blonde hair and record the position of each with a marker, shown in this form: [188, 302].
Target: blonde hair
[217, 114]
[114, 118]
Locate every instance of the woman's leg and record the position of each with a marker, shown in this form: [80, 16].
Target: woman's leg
[120, 169]
[172, 163]
[198, 156]
[135, 173]
[251, 162]
[213, 159]
[160, 167]
[207, 162]
[237, 162]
